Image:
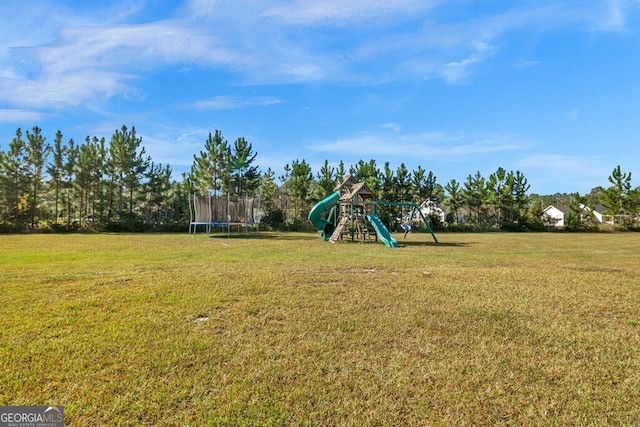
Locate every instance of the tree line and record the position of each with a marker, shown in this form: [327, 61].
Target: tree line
[99, 184]
[619, 202]
[112, 185]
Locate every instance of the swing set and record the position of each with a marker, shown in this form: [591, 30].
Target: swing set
[353, 213]
[415, 212]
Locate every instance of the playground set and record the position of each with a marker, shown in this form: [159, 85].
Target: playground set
[223, 212]
[353, 214]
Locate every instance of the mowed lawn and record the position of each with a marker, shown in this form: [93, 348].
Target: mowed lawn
[286, 329]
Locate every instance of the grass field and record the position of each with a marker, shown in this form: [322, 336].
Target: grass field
[286, 329]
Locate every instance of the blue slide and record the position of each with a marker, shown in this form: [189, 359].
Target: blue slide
[315, 215]
[382, 232]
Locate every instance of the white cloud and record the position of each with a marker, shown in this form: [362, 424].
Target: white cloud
[173, 148]
[441, 145]
[82, 56]
[564, 172]
[393, 127]
[459, 70]
[63, 91]
[91, 63]
[19, 116]
[521, 65]
[563, 163]
[338, 12]
[134, 47]
[233, 102]
[612, 15]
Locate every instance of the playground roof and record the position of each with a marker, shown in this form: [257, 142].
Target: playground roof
[360, 189]
[348, 182]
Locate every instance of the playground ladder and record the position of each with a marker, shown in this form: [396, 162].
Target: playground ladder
[337, 233]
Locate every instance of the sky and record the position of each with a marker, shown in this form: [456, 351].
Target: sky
[550, 88]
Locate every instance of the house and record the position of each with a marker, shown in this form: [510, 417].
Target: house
[555, 216]
[597, 210]
[431, 208]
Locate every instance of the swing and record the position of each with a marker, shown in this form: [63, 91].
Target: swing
[405, 222]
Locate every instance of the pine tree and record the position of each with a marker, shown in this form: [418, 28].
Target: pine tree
[617, 196]
[432, 190]
[299, 186]
[499, 186]
[268, 190]
[326, 181]
[368, 173]
[245, 177]
[14, 182]
[418, 185]
[37, 151]
[68, 177]
[55, 172]
[475, 195]
[341, 172]
[455, 199]
[520, 200]
[88, 180]
[210, 167]
[157, 189]
[402, 183]
[128, 166]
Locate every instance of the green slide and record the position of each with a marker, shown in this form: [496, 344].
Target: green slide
[382, 232]
[324, 227]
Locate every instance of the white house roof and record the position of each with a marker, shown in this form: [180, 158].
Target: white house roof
[564, 209]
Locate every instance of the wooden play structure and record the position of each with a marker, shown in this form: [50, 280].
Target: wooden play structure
[353, 215]
[354, 204]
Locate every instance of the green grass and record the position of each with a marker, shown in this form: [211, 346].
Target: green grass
[286, 329]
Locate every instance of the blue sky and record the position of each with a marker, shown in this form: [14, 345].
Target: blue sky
[547, 87]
